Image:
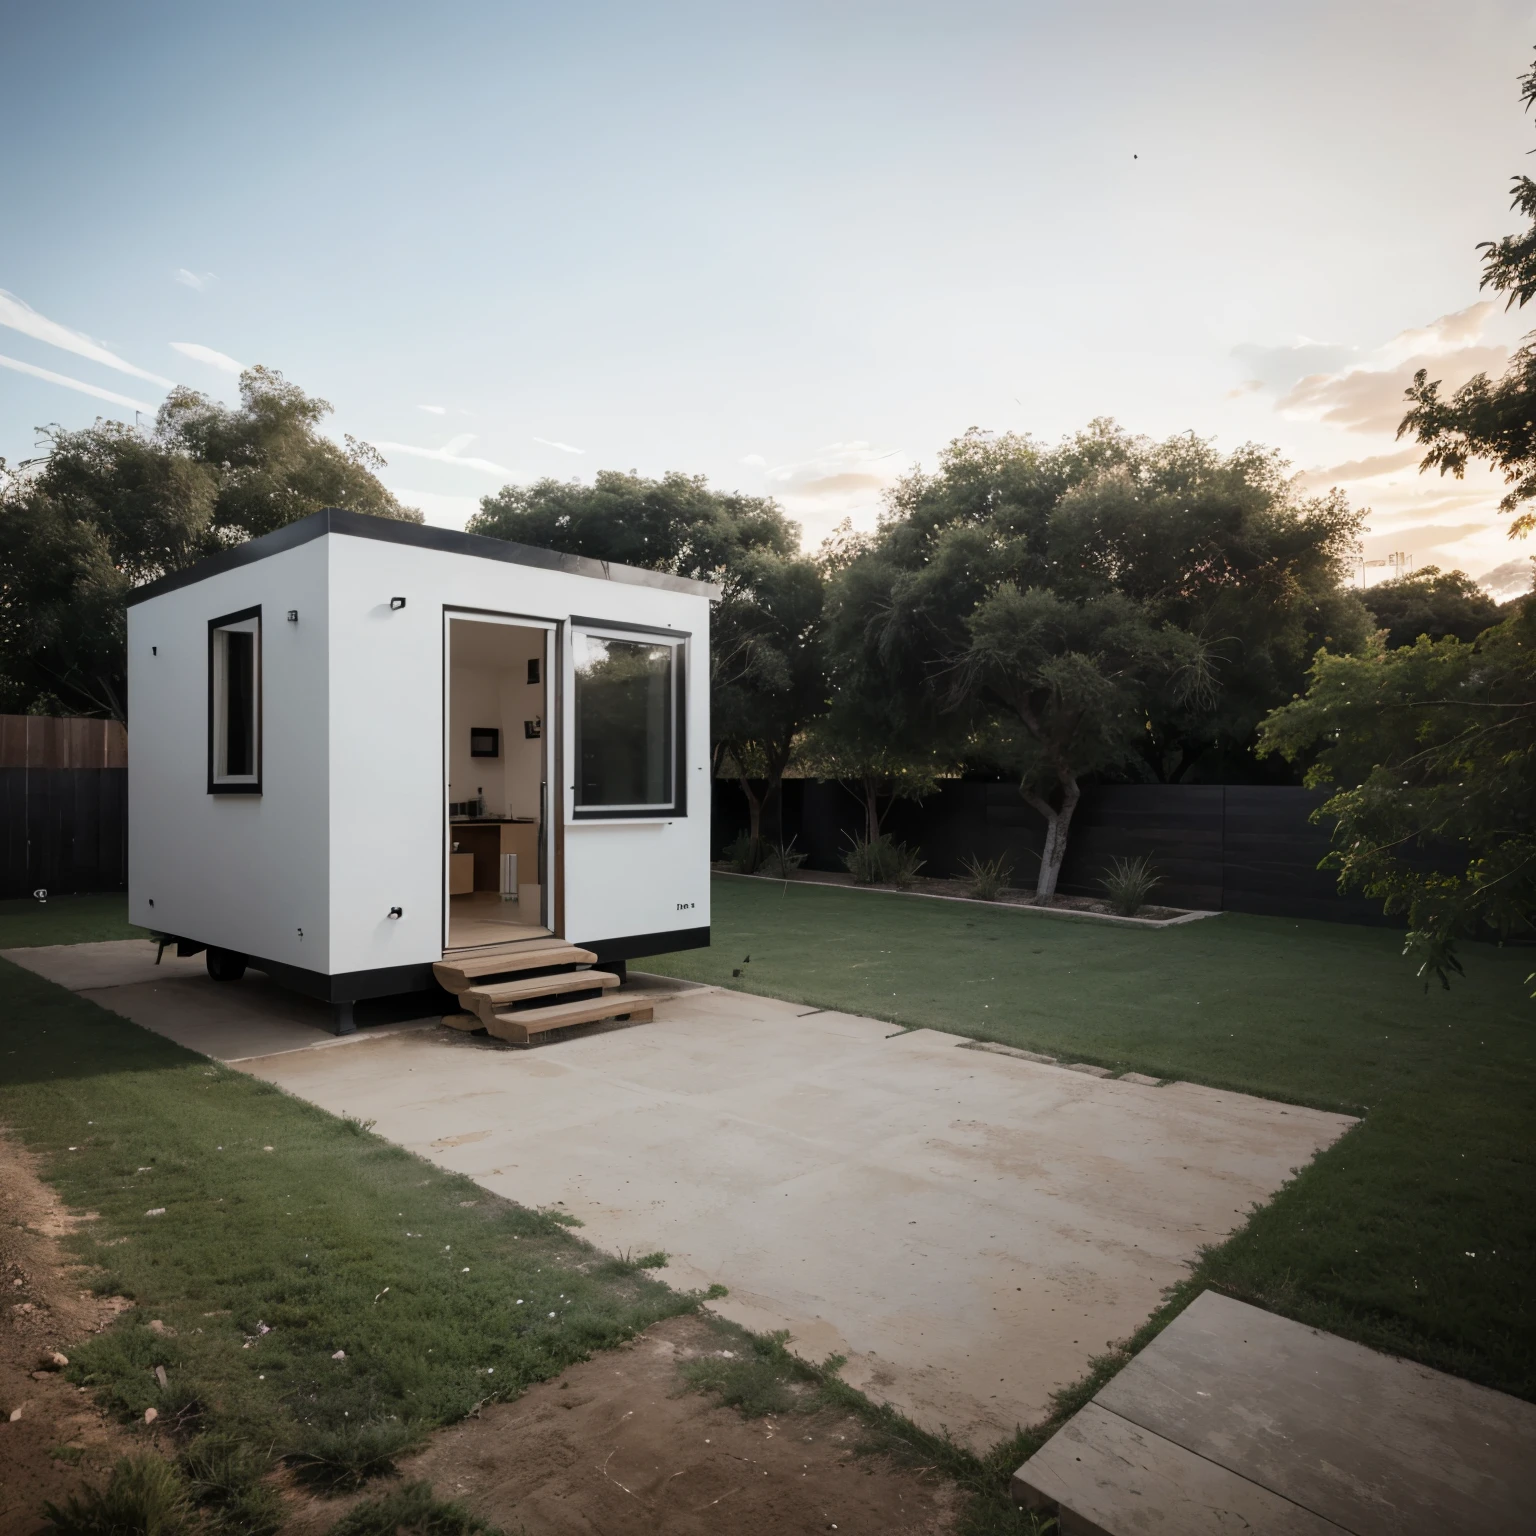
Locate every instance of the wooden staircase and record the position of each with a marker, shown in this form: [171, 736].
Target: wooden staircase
[522, 993]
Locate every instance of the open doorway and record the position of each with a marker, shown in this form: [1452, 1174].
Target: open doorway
[496, 758]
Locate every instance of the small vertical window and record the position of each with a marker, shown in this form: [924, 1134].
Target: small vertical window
[234, 703]
[627, 718]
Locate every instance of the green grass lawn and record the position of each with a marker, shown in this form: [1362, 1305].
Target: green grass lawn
[1416, 1233]
[267, 1236]
[66, 920]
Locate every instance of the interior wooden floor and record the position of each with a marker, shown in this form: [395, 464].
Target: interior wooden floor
[484, 918]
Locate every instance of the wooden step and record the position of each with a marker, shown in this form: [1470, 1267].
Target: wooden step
[459, 974]
[528, 1023]
[485, 1002]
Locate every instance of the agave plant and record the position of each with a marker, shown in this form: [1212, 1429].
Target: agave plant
[1128, 883]
[989, 877]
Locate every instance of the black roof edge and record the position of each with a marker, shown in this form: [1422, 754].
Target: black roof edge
[363, 525]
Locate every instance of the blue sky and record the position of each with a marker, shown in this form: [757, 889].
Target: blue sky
[795, 248]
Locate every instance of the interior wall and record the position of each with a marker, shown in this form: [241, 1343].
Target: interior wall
[498, 695]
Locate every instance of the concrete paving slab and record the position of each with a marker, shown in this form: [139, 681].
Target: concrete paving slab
[1377, 1445]
[1109, 1477]
[968, 1227]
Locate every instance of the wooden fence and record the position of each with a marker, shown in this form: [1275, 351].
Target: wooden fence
[63, 805]
[1219, 847]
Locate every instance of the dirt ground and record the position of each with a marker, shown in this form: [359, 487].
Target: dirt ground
[53, 1440]
[617, 1447]
[614, 1446]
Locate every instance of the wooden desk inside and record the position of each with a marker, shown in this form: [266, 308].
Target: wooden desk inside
[488, 840]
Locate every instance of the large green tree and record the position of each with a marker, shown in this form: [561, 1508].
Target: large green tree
[1430, 602]
[112, 507]
[1492, 419]
[1430, 750]
[1158, 599]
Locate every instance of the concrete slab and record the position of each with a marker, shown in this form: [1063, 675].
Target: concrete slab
[968, 1228]
[1364, 1442]
[1107, 1476]
[177, 998]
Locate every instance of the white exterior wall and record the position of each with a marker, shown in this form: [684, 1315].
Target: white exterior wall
[386, 795]
[244, 872]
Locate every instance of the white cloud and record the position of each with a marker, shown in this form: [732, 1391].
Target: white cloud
[449, 453]
[69, 383]
[22, 317]
[563, 447]
[202, 354]
[756, 460]
[197, 280]
[1510, 579]
[436, 410]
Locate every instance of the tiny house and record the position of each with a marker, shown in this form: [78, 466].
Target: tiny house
[367, 756]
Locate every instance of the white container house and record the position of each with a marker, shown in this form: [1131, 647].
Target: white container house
[359, 747]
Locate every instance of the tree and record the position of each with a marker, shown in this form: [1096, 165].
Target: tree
[881, 736]
[1107, 580]
[1431, 752]
[676, 524]
[113, 507]
[1431, 602]
[1071, 682]
[765, 644]
[1491, 420]
[768, 672]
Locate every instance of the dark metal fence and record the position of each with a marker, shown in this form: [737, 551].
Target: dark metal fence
[63, 805]
[1219, 847]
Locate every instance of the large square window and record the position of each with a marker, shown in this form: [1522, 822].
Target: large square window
[234, 703]
[627, 724]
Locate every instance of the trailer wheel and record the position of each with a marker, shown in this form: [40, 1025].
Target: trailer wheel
[225, 964]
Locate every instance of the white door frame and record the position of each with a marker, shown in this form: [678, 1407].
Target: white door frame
[554, 805]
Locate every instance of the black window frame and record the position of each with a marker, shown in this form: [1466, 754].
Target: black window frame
[680, 641]
[246, 786]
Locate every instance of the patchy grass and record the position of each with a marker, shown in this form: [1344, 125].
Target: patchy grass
[66, 920]
[1415, 1233]
[411, 1511]
[311, 1291]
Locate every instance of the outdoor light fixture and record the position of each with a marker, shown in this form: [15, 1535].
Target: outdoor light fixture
[396, 602]
[397, 911]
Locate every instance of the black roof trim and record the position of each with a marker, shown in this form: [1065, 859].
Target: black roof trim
[362, 525]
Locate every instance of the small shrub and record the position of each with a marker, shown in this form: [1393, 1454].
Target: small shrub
[989, 877]
[411, 1511]
[744, 854]
[781, 861]
[145, 1496]
[882, 861]
[1128, 883]
[627, 1263]
[339, 1460]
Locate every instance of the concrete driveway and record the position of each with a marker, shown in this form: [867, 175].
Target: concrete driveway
[967, 1227]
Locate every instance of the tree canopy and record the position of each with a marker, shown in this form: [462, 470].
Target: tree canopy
[112, 507]
[1431, 752]
[1430, 602]
[1111, 605]
[1492, 419]
[677, 523]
